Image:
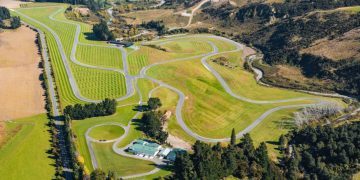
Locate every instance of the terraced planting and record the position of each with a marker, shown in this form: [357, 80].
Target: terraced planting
[107, 84]
[207, 99]
[99, 84]
[99, 56]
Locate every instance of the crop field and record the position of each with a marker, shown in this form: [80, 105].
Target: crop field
[28, 146]
[136, 62]
[107, 84]
[99, 56]
[99, 84]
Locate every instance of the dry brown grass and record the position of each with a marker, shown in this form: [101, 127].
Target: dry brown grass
[21, 93]
[290, 72]
[7, 133]
[147, 15]
[11, 3]
[170, 19]
[344, 47]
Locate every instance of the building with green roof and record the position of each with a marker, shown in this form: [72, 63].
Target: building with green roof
[144, 148]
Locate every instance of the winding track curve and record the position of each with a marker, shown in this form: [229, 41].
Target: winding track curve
[131, 88]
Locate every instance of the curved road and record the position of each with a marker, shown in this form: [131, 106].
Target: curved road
[131, 88]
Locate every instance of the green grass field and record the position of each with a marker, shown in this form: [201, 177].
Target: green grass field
[189, 46]
[123, 116]
[99, 56]
[25, 155]
[106, 132]
[243, 82]
[271, 129]
[123, 166]
[215, 119]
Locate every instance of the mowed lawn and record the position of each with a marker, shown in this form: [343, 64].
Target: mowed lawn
[25, 156]
[106, 132]
[123, 166]
[123, 116]
[271, 128]
[243, 82]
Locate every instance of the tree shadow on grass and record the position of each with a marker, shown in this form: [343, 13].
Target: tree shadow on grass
[91, 36]
[138, 124]
[141, 108]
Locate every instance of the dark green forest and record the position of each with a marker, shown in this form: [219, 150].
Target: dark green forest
[321, 152]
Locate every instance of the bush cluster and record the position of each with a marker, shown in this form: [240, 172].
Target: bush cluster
[78, 111]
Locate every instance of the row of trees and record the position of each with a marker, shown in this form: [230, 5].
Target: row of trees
[15, 21]
[322, 152]
[241, 160]
[152, 121]
[79, 111]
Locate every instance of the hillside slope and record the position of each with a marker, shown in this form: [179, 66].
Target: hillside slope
[319, 39]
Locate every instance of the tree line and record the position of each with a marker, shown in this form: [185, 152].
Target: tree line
[79, 111]
[15, 21]
[322, 152]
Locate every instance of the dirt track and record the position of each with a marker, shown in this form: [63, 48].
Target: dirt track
[20, 88]
[11, 3]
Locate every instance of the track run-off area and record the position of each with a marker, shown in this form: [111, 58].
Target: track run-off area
[209, 99]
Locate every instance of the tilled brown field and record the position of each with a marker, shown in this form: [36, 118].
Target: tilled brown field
[21, 93]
